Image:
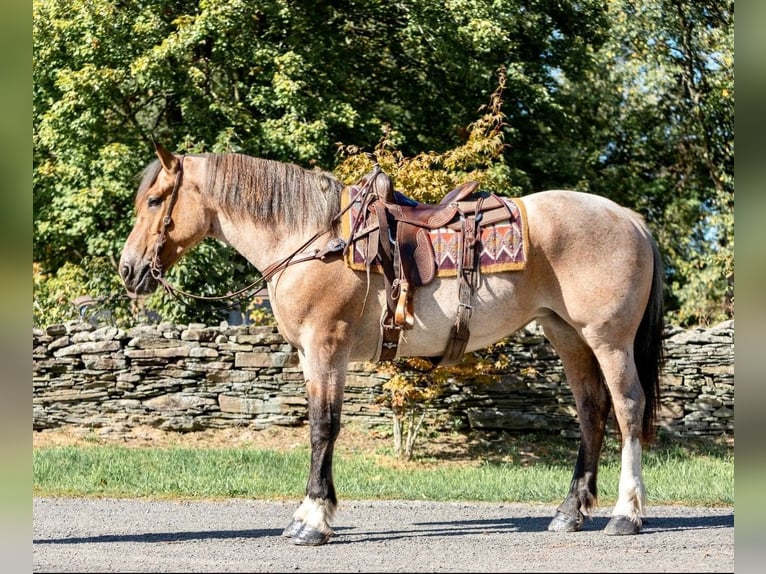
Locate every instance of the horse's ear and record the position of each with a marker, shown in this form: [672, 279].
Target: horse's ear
[168, 160]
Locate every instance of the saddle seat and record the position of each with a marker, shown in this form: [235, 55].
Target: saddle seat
[382, 185]
[403, 208]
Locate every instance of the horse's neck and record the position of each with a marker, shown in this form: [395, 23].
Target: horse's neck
[261, 246]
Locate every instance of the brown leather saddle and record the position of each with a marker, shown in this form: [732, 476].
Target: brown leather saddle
[396, 229]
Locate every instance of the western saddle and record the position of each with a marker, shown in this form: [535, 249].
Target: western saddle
[397, 235]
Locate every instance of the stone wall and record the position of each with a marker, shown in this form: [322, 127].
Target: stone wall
[193, 377]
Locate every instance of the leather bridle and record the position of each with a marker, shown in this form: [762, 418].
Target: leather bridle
[155, 265]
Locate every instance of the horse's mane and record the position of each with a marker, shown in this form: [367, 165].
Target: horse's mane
[271, 191]
[148, 176]
[266, 190]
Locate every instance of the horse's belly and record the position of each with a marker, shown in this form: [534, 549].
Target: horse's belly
[496, 314]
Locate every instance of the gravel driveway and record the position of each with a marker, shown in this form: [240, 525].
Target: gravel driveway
[108, 535]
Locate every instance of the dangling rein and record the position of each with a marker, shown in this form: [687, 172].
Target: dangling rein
[335, 245]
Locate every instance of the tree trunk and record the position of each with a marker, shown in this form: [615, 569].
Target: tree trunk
[397, 434]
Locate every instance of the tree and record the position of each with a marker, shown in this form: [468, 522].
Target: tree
[656, 118]
[415, 383]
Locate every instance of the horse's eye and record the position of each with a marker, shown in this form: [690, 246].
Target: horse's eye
[154, 201]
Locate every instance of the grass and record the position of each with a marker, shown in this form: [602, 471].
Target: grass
[520, 469]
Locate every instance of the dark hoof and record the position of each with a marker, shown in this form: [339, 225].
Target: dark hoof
[565, 523]
[292, 529]
[620, 526]
[309, 536]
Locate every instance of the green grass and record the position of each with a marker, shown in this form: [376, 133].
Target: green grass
[674, 473]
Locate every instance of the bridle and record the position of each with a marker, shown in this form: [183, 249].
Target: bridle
[335, 245]
[155, 265]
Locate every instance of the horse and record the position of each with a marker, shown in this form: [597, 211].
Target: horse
[593, 281]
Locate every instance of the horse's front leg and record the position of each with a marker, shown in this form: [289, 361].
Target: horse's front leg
[324, 385]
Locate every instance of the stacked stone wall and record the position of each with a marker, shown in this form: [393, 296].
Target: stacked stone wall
[194, 377]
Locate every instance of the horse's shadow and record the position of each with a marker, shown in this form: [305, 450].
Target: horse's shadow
[528, 524]
[354, 534]
[164, 537]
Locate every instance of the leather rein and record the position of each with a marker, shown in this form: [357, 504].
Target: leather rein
[335, 245]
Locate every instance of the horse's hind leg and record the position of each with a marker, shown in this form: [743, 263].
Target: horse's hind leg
[592, 401]
[310, 525]
[621, 376]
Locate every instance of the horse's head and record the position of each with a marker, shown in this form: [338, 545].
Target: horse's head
[171, 217]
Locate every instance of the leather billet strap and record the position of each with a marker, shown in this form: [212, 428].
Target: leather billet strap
[468, 270]
[460, 332]
[387, 254]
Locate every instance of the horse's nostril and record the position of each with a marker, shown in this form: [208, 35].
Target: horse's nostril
[125, 272]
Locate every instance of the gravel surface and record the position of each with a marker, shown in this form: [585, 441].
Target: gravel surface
[128, 535]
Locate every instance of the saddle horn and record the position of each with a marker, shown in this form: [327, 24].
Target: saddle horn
[373, 158]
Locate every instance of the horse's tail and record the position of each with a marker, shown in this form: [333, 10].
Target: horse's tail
[648, 348]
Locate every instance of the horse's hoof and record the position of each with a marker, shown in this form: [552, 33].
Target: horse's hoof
[565, 523]
[620, 526]
[310, 536]
[292, 529]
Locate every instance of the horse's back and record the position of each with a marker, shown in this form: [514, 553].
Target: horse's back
[562, 215]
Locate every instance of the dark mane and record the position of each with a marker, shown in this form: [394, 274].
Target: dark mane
[148, 176]
[266, 190]
[271, 191]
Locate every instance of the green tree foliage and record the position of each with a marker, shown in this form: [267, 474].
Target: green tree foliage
[652, 120]
[633, 100]
[428, 176]
[273, 79]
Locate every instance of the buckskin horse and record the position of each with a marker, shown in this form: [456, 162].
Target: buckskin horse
[591, 276]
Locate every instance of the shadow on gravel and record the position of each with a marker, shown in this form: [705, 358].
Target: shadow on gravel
[531, 524]
[666, 523]
[355, 535]
[151, 537]
[539, 524]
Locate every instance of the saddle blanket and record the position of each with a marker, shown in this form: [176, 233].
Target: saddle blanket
[502, 247]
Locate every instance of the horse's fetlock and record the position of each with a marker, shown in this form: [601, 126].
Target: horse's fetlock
[316, 513]
[588, 502]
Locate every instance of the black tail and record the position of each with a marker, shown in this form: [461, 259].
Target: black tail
[648, 348]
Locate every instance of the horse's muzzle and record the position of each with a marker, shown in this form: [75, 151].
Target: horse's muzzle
[137, 279]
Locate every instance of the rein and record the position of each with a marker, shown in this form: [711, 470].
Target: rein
[335, 245]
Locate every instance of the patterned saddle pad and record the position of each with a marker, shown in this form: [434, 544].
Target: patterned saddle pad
[503, 245]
